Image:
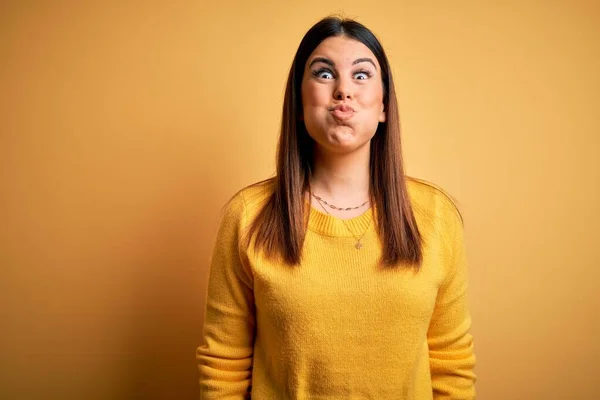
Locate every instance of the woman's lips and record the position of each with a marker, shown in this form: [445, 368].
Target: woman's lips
[342, 112]
[342, 115]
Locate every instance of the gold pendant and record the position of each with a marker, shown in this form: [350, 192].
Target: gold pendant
[358, 245]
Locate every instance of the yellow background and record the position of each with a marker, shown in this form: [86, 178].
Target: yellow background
[125, 126]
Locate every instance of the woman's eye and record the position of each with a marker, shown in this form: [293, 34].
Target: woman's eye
[323, 74]
[362, 75]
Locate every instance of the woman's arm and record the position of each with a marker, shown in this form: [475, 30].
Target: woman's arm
[450, 342]
[225, 357]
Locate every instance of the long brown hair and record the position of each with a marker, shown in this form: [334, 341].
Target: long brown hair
[280, 226]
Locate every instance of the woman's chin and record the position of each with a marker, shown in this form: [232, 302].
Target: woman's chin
[342, 136]
[343, 144]
[340, 140]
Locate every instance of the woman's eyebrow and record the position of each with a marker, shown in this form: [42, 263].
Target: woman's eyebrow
[323, 60]
[327, 61]
[366, 59]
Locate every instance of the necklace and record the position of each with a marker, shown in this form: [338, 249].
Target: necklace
[358, 244]
[337, 208]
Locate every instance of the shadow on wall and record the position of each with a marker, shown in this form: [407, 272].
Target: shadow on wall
[168, 306]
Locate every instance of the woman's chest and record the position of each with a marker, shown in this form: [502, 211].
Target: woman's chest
[343, 284]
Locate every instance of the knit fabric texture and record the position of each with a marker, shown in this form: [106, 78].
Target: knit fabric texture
[339, 325]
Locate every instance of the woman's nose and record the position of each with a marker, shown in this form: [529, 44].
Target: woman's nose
[342, 91]
[342, 95]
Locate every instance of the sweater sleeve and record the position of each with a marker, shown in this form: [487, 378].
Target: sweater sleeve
[225, 356]
[451, 355]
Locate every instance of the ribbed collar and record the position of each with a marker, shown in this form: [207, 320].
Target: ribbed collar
[328, 225]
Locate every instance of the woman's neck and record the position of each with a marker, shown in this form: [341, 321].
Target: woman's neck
[341, 179]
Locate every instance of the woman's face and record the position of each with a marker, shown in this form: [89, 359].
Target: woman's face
[342, 95]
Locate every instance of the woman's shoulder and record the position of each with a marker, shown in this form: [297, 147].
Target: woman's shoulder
[250, 199]
[256, 194]
[429, 199]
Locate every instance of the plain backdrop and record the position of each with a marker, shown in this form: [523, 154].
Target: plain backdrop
[126, 126]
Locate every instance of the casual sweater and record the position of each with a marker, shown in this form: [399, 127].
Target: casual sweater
[339, 325]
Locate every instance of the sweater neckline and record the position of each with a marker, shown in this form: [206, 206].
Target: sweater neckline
[328, 225]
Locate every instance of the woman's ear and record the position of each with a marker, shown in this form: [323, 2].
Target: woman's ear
[382, 115]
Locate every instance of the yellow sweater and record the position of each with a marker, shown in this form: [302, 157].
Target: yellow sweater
[338, 326]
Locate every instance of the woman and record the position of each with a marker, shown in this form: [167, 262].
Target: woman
[340, 277]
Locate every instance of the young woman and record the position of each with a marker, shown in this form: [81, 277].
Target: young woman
[340, 277]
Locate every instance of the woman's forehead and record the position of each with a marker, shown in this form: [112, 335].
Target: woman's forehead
[342, 50]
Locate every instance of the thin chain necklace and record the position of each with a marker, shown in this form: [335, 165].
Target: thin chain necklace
[358, 244]
[321, 201]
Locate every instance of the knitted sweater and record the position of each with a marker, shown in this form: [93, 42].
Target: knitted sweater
[339, 326]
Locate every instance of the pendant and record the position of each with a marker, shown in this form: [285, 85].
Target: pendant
[358, 245]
